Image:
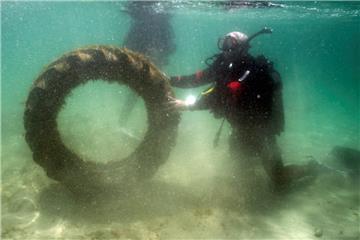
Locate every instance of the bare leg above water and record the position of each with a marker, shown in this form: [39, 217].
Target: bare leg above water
[151, 34]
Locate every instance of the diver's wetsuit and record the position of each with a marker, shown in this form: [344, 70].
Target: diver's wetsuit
[253, 107]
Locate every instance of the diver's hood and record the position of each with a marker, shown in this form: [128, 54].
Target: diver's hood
[234, 40]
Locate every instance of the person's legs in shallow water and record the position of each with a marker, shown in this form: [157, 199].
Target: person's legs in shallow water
[151, 34]
[128, 106]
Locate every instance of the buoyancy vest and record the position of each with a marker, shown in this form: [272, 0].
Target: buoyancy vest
[243, 88]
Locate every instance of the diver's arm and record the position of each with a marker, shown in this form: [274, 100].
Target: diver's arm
[191, 81]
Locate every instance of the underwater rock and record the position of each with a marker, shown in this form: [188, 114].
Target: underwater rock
[348, 159]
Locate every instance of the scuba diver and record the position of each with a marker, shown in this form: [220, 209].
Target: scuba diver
[151, 34]
[247, 92]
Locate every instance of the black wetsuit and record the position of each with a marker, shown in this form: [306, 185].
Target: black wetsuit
[256, 103]
[247, 91]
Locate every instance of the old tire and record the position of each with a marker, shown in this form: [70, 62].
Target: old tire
[111, 64]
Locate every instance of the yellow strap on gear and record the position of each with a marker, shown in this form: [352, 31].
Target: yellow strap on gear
[208, 91]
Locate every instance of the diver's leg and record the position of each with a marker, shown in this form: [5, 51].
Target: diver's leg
[243, 150]
[281, 176]
[271, 159]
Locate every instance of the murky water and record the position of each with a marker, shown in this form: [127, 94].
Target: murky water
[195, 194]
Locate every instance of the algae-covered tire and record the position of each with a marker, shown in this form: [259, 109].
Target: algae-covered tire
[111, 64]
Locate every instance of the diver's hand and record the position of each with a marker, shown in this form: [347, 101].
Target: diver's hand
[177, 104]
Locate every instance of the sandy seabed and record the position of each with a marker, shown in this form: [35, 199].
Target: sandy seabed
[173, 207]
